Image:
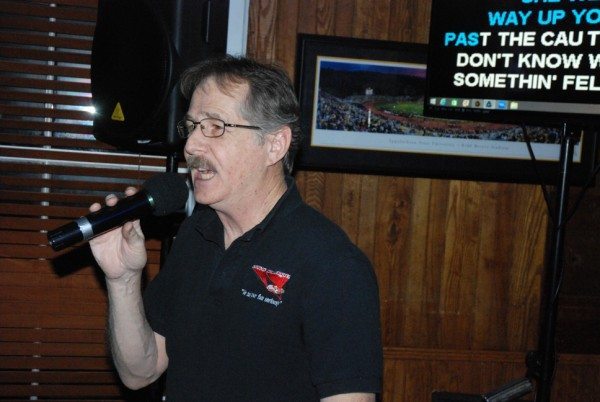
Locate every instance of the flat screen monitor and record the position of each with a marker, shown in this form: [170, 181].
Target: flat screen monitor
[515, 61]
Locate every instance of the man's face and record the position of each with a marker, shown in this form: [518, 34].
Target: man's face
[227, 170]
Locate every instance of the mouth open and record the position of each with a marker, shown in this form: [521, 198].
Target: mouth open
[205, 174]
[202, 167]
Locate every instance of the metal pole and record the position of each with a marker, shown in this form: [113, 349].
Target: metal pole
[546, 356]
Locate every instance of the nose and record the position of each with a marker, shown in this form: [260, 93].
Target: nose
[195, 142]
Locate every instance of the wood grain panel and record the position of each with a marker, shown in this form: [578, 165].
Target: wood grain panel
[350, 208]
[344, 18]
[529, 238]
[261, 29]
[369, 187]
[332, 196]
[312, 187]
[286, 25]
[457, 287]
[307, 18]
[371, 19]
[411, 375]
[325, 17]
[423, 277]
[390, 253]
[490, 293]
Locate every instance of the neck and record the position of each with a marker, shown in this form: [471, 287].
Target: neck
[246, 215]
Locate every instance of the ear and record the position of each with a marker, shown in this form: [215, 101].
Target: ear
[278, 144]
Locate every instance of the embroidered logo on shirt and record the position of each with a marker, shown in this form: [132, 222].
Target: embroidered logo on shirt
[274, 281]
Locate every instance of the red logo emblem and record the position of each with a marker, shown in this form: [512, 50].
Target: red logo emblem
[273, 281]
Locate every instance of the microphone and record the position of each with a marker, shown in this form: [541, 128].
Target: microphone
[161, 195]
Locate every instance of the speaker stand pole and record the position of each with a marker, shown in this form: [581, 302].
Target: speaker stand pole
[172, 165]
[542, 363]
[172, 162]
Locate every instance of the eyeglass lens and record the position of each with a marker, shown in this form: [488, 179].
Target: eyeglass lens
[210, 127]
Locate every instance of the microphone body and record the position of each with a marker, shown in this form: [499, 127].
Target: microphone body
[162, 194]
[86, 227]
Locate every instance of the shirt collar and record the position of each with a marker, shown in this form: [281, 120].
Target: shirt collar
[288, 201]
[211, 228]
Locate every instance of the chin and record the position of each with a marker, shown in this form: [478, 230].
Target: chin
[201, 197]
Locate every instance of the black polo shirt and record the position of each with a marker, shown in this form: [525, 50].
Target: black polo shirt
[289, 312]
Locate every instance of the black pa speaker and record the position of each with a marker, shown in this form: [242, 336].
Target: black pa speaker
[139, 49]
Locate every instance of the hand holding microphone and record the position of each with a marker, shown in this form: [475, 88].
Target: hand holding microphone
[161, 195]
[118, 241]
[119, 250]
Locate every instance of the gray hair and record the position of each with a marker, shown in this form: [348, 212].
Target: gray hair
[270, 103]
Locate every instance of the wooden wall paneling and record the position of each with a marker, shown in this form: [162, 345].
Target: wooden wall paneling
[343, 18]
[392, 220]
[409, 21]
[365, 239]
[380, 22]
[421, 328]
[415, 304]
[434, 245]
[402, 25]
[414, 373]
[350, 206]
[393, 383]
[307, 16]
[492, 279]
[261, 29]
[371, 19]
[525, 277]
[325, 17]
[418, 379]
[287, 27]
[312, 187]
[332, 196]
[325, 13]
[458, 284]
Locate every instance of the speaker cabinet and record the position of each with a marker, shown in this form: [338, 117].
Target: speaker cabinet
[139, 49]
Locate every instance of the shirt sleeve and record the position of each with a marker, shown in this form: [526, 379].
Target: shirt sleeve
[341, 323]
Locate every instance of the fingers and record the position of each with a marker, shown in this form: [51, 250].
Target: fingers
[129, 191]
[112, 199]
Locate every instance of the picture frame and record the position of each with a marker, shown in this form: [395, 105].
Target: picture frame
[361, 108]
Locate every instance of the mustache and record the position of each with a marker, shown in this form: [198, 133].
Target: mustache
[199, 162]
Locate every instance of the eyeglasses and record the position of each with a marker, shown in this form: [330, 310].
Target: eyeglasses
[211, 127]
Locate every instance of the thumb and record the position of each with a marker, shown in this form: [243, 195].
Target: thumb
[132, 232]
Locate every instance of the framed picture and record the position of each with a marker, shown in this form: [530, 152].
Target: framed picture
[362, 112]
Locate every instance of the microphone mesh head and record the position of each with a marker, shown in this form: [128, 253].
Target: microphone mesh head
[169, 192]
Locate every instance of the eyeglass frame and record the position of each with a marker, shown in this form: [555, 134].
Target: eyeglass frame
[182, 128]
